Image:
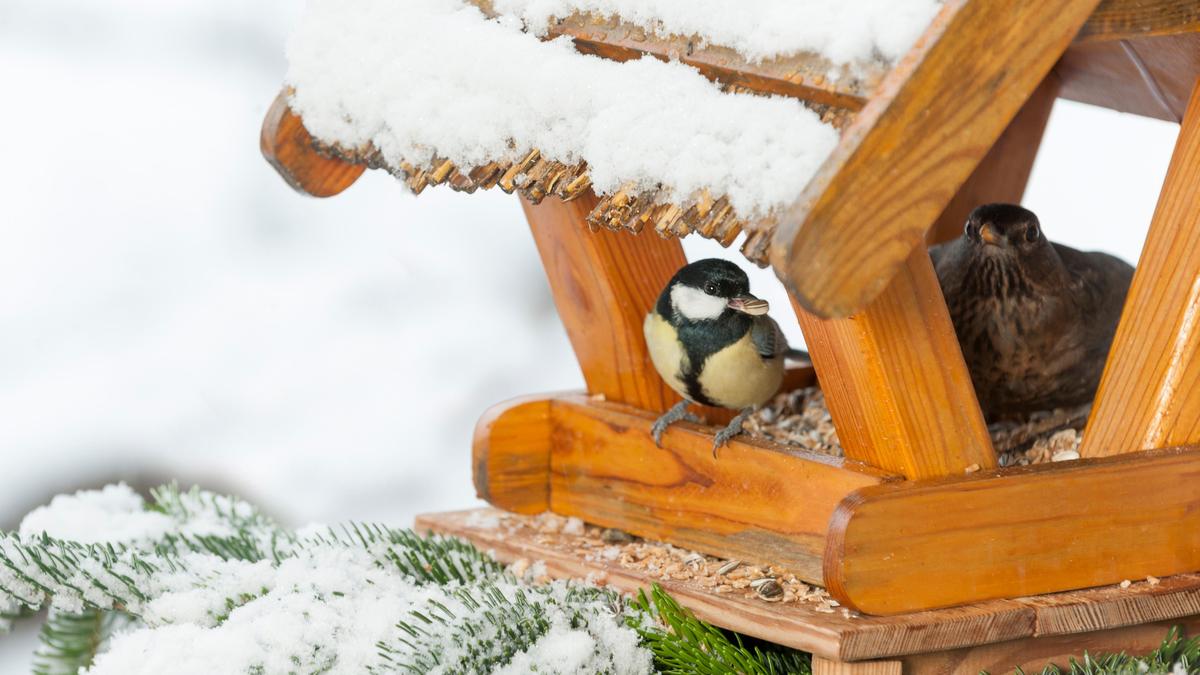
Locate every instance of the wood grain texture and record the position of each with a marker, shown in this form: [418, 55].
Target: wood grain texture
[1120, 19]
[1149, 395]
[603, 284]
[905, 155]
[804, 76]
[796, 624]
[906, 547]
[1032, 654]
[1112, 606]
[824, 666]
[1105, 74]
[757, 501]
[896, 383]
[291, 150]
[510, 455]
[1004, 171]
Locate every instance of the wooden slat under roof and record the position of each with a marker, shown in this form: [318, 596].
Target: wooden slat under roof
[910, 135]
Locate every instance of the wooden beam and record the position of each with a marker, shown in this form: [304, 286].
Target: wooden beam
[511, 455]
[824, 666]
[914, 546]
[758, 501]
[896, 383]
[603, 284]
[1143, 76]
[909, 150]
[1034, 654]
[1149, 395]
[805, 76]
[1121, 19]
[291, 150]
[1004, 171]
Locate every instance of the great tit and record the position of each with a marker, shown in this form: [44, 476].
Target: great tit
[712, 341]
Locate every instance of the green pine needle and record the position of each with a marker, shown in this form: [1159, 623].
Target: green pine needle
[685, 645]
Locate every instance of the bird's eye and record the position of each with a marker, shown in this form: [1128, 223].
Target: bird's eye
[971, 230]
[1031, 233]
[710, 288]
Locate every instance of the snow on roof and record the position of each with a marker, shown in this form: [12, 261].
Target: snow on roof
[424, 78]
[843, 31]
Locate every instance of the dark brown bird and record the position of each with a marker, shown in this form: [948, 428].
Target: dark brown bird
[1035, 318]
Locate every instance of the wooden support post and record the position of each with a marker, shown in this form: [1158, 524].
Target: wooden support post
[603, 284]
[1004, 171]
[1149, 396]
[908, 151]
[824, 666]
[895, 381]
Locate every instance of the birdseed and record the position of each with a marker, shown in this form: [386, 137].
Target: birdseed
[801, 419]
[661, 561]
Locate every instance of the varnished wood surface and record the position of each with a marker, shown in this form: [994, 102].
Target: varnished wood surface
[906, 547]
[1149, 395]
[1119, 19]
[510, 455]
[907, 152]
[755, 501]
[1005, 624]
[896, 383]
[290, 149]
[1004, 171]
[603, 284]
[1107, 74]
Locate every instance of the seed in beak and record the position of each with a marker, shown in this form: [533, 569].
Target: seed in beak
[748, 304]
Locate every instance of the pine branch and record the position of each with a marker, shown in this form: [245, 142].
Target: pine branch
[1175, 655]
[493, 622]
[70, 642]
[685, 645]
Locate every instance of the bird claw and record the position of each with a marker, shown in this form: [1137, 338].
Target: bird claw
[678, 412]
[732, 429]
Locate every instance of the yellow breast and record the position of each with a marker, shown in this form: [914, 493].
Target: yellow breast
[666, 351]
[738, 377]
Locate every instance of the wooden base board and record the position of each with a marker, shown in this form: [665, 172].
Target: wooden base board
[843, 636]
[582, 456]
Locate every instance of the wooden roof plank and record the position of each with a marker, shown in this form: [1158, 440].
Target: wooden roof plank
[904, 156]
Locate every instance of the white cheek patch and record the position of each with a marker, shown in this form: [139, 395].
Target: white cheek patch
[696, 305]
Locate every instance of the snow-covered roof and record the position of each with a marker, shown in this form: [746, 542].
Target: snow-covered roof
[442, 90]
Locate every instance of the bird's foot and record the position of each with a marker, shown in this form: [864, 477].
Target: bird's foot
[678, 412]
[732, 429]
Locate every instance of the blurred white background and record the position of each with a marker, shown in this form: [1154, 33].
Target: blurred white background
[169, 309]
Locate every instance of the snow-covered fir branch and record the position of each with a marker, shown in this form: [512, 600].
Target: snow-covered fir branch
[211, 585]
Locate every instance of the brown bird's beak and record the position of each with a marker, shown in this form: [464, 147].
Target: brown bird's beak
[989, 236]
[748, 304]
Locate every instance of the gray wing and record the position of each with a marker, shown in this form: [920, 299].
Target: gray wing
[768, 339]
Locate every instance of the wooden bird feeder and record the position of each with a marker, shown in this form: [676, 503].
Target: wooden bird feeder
[951, 562]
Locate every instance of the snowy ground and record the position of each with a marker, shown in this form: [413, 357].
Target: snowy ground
[170, 309]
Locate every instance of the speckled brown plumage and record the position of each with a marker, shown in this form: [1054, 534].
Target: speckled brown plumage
[1035, 318]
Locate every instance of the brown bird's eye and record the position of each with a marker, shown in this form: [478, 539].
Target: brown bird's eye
[971, 230]
[1031, 233]
[711, 289]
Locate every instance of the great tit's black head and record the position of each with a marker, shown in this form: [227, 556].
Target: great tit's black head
[705, 289]
[1008, 228]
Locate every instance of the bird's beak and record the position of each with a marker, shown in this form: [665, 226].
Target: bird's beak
[989, 236]
[748, 304]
